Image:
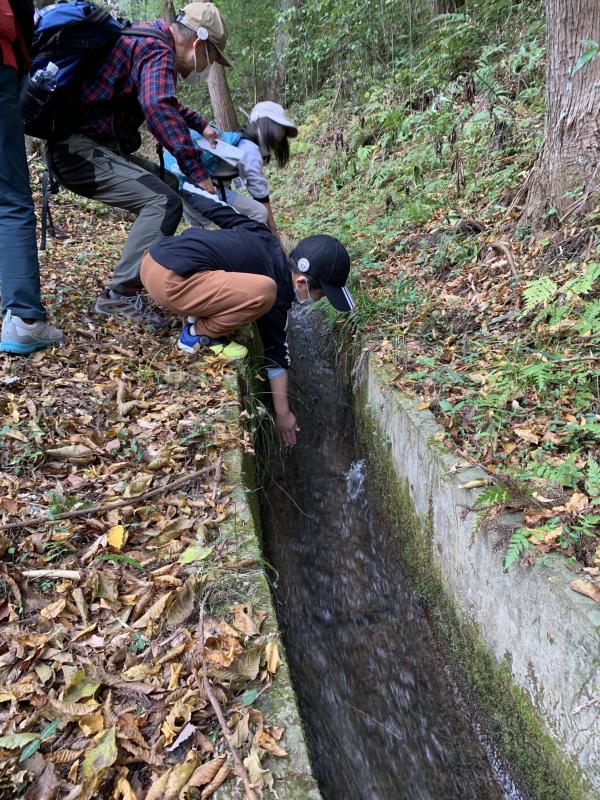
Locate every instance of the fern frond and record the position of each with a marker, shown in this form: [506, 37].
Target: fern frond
[538, 292]
[583, 284]
[539, 372]
[592, 482]
[518, 544]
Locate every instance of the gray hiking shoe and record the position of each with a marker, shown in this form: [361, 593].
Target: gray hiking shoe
[22, 338]
[133, 307]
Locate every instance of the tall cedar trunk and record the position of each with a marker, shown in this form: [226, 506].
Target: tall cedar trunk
[570, 157]
[220, 98]
[280, 44]
[168, 11]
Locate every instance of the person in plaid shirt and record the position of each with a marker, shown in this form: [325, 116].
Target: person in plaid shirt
[136, 83]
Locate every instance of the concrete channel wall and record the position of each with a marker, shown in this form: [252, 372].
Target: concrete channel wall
[293, 779]
[524, 641]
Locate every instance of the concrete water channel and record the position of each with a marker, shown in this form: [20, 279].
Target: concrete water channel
[382, 714]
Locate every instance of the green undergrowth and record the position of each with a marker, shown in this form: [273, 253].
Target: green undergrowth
[493, 325]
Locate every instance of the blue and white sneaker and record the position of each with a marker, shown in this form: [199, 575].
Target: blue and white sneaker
[189, 343]
[22, 338]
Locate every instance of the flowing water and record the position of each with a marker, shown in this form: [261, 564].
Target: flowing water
[383, 719]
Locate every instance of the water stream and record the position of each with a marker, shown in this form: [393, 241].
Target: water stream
[383, 718]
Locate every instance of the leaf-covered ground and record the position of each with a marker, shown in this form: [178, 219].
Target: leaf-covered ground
[493, 325]
[103, 649]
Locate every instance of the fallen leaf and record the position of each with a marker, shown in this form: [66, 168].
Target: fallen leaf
[272, 657]
[576, 503]
[215, 783]
[154, 612]
[98, 759]
[75, 453]
[475, 484]
[14, 740]
[177, 718]
[116, 537]
[588, 588]
[195, 552]
[527, 435]
[207, 772]
[54, 609]
[183, 604]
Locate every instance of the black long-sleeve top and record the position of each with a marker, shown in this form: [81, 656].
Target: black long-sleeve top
[241, 245]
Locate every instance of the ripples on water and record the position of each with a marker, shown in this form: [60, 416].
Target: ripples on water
[382, 717]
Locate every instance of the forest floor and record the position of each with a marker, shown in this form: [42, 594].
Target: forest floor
[492, 325]
[102, 650]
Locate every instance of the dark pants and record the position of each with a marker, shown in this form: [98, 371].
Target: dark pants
[93, 170]
[19, 266]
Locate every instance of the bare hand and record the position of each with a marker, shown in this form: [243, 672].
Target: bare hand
[211, 134]
[208, 186]
[287, 427]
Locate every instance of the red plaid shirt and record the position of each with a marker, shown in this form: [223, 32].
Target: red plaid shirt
[136, 83]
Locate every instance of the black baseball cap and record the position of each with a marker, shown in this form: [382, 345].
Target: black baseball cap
[326, 260]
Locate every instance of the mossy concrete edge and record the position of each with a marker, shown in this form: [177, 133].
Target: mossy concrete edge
[293, 775]
[524, 644]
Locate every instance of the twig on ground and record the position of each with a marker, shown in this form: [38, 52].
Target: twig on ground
[217, 480]
[42, 519]
[70, 574]
[504, 248]
[205, 683]
[591, 702]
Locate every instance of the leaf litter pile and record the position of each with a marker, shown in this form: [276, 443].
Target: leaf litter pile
[117, 678]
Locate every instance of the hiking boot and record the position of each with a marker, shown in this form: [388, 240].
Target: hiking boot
[130, 306]
[189, 343]
[22, 338]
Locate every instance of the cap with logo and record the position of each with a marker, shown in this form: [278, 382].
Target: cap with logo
[273, 111]
[206, 20]
[325, 259]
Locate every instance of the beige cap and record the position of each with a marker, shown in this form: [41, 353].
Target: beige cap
[206, 20]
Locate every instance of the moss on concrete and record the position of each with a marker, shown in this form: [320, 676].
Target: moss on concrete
[508, 713]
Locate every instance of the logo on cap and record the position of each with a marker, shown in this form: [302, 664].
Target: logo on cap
[303, 264]
[202, 34]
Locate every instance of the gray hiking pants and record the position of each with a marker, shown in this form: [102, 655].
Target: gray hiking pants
[96, 171]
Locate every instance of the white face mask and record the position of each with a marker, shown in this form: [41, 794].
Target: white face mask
[306, 301]
[195, 76]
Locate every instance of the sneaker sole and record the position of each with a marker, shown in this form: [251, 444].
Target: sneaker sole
[185, 347]
[23, 349]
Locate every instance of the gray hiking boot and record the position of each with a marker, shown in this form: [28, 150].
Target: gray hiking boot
[133, 307]
[22, 338]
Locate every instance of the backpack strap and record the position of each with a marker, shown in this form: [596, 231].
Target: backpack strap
[147, 33]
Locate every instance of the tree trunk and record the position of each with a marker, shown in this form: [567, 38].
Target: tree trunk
[280, 44]
[168, 11]
[220, 98]
[566, 171]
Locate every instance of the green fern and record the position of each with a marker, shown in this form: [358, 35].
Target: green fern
[539, 373]
[492, 495]
[539, 292]
[590, 319]
[518, 544]
[592, 483]
[583, 284]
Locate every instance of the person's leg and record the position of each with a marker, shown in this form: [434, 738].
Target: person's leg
[221, 301]
[247, 206]
[24, 328]
[94, 171]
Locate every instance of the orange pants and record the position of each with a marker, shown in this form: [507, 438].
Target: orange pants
[221, 301]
